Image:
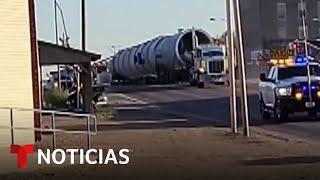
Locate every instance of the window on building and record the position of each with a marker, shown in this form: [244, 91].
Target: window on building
[301, 8]
[282, 32]
[301, 32]
[282, 11]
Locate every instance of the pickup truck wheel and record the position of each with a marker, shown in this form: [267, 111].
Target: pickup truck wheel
[264, 114]
[280, 114]
[227, 83]
[312, 113]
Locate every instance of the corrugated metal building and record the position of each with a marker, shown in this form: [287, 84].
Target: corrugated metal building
[19, 85]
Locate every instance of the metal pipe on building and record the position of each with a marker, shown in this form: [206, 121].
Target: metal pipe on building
[168, 52]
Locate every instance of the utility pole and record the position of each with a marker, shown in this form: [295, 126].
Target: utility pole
[56, 21]
[66, 38]
[84, 44]
[231, 64]
[83, 24]
[243, 81]
[57, 38]
[303, 16]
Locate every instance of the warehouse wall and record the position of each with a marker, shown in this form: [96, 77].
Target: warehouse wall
[16, 79]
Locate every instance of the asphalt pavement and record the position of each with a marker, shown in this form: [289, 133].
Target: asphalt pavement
[207, 106]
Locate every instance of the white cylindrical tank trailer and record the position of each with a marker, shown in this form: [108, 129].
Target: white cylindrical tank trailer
[169, 52]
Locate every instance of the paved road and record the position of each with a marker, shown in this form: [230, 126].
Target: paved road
[210, 105]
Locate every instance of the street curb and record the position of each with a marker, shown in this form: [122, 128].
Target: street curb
[280, 136]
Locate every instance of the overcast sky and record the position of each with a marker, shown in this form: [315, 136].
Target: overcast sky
[126, 22]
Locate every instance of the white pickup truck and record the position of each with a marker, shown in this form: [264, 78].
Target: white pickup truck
[285, 90]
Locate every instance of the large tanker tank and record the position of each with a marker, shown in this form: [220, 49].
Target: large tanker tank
[170, 52]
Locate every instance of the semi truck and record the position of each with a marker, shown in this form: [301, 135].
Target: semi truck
[190, 53]
[210, 65]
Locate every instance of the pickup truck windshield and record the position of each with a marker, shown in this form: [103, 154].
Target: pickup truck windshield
[290, 72]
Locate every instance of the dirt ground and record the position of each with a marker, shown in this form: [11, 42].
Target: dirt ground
[190, 153]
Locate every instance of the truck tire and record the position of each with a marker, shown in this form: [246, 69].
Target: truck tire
[227, 83]
[201, 85]
[280, 115]
[219, 83]
[312, 113]
[264, 114]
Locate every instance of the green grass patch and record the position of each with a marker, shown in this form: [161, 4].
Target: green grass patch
[106, 114]
[55, 99]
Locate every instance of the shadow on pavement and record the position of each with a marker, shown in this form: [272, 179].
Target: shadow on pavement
[152, 88]
[211, 112]
[284, 161]
[166, 125]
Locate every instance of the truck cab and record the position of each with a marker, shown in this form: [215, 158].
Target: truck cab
[216, 67]
[285, 89]
[210, 65]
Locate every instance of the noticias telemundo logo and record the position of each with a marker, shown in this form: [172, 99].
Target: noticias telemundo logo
[68, 156]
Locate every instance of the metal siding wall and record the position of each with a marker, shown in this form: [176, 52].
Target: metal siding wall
[15, 72]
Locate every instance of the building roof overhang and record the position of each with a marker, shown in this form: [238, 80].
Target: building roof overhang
[52, 54]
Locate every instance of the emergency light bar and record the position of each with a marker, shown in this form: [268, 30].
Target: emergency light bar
[301, 59]
[282, 62]
[291, 61]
